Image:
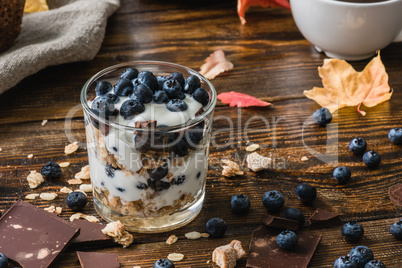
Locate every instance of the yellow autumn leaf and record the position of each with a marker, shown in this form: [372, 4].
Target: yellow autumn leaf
[344, 86]
[35, 6]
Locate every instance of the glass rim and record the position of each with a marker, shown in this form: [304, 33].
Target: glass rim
[208, 109]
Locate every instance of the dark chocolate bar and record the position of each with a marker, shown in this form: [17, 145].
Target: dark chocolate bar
[324, 219]
[98, 259]
[279, 222]
[91, 236]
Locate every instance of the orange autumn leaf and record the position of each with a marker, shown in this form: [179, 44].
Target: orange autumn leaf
[243, 5]
[215, 64]
[343, 86]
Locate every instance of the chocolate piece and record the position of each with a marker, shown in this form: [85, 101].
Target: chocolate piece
[265, 252]
[91, 236]
[33, 237]
[145, 124]
[324, 219]
[395, 194]
[281, 223]
[98, 259]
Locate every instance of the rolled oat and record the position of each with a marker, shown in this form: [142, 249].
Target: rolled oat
[193, 235]
[257, 162]
[231, 169]
[31, 196]
[172, 239]
[252, 147]
[86, 188]
[175, 256]
[75, 181]
[48, 196]
[118, 231]
[65, 190]
[64, 164]
[71, 148]
[84, 174]
[34, 179]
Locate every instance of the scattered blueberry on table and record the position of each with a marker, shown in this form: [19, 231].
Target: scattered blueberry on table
[287, 240]
[273, 201]
[395, 136]
[3, 261]
[163, 263]
[216, 227]
[240, 203]
[51, 170]
[358, 146]
[342, 174]
[375, 264]
[372, 159]
[295, 214]
[76, 200]
[352, 231]
[345, 262]
[396, 230]
[306, 193]
[361, 255]
[322, 117]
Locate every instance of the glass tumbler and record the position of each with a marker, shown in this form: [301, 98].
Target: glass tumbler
[149, 170]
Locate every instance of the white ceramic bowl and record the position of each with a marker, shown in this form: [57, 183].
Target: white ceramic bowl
[350, 31]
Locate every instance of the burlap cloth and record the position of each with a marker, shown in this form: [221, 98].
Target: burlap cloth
[72, 30]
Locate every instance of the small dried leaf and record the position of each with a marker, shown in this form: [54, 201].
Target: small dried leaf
[35, 6]
[343, 86]
[241, 100]
[243, 5]
[215, 64]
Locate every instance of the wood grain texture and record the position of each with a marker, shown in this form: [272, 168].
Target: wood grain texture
[273, 62]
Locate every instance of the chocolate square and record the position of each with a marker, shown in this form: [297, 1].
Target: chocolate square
[98, 259]
[34, 237]
[279, 222]
[265, 252]
[324, 219]
[91, 236]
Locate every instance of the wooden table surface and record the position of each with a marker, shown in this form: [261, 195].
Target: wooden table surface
[272, 61]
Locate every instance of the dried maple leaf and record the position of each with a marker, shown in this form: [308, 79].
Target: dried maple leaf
[240, 99]
[343, 86]
[243, 5]
[215, 64]
[35, 6]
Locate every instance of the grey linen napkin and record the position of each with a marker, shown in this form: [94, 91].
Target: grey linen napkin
[72, 30]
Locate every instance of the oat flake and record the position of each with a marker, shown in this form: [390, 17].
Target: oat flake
[31, 196]
[171, 240]
[48, 196]
[64, 164]
[71, 148]
[175, 256]
[193, 235]
[252, 147]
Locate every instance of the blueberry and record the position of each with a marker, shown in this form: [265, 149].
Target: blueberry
[136, 82]
[191, 84]
[149, 79]
[109, 170]
[158, 185]
[194, 136]
[395, 136]
[51, 170]
[375, 264]
[342, 174]
[240, 203]
[142, 93]
[172, 88]
[345, 262]
[176, 105]
[163, 263]
[371, 159]
[130, 108]
[102, 88]
[322, 117]
[306, 193]
[76, 200]
[112, 97]
[178, 77]
[216, 227]
[3, 261]
[123, 87]
[287, 240]
[273, 201]
[122, 190]
[129, 73]
[179, 180]
[352, 231]
[160, 97]
[180, 148]
[358, 146]
[396, 230]
[295, 214]
[201, 95]
[361, 255]
[103, 107]
[159, 172]
[161, 79]
[141, 186]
